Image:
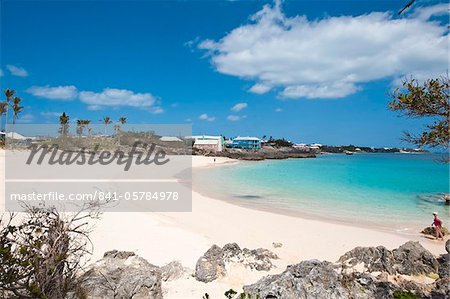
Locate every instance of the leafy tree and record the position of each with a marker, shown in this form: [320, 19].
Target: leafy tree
[41, 256]
[280, 142]
[427, 99]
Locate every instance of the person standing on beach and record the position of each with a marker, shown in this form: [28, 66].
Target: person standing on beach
[437, 226]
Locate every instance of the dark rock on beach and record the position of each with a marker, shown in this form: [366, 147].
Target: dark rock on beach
[122, 274]
[212, 265]
[444, 265]
[432, 232]
[441, 289]
[412, 258]
[362, 273]
[444, 262]
[173, 270]
[307, 279]
[373, 258]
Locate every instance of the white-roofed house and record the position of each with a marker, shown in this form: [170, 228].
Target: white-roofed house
[219, 141]
[209, 145]
[17, 136]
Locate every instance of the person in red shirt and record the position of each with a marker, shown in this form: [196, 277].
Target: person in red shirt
[437, 226]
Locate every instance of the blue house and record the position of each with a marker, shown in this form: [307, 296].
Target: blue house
[253, 143]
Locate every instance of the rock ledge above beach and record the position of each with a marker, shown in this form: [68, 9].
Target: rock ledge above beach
[374, 273]
[122, 274]
[212, 265]
[409, 259]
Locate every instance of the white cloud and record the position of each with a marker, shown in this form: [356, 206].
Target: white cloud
[17, 70]
[206, 117]
[330, 57]
[51, 114]
[235, 117]
[260, 88]
[239, 106]
[63, 93]
[117, 97]
[427, 12]
[278, 110]
[323, 91]
[156, 110]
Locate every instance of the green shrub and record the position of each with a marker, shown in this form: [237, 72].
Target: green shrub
[405, 295]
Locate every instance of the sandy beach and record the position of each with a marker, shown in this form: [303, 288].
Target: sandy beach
[185, 236]
[163, 237]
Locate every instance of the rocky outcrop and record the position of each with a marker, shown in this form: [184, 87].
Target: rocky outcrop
[432, 232]
[369, 259]
[441, 289]
[173, 270]
[266, 152]
[212, 265]
[362, 273]
[444, 265]
[308, 279]
[122, 274]
[444, 262]
[410, 259]
[315, 279]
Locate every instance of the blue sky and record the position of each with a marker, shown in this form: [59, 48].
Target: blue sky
[309, 71]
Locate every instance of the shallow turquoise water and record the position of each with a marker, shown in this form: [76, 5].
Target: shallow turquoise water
[393, 191]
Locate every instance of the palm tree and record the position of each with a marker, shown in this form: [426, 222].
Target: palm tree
[81, 124]
[122, 121]
[106, 122]
[3, 109]
[64, 121]
[16, 110]
[80, 128]
[9, 93]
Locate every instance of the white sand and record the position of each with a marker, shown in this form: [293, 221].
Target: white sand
[163, 237]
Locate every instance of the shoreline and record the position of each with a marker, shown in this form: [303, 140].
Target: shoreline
[276, 208]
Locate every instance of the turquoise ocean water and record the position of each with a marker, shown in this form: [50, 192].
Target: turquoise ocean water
[397, 192]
